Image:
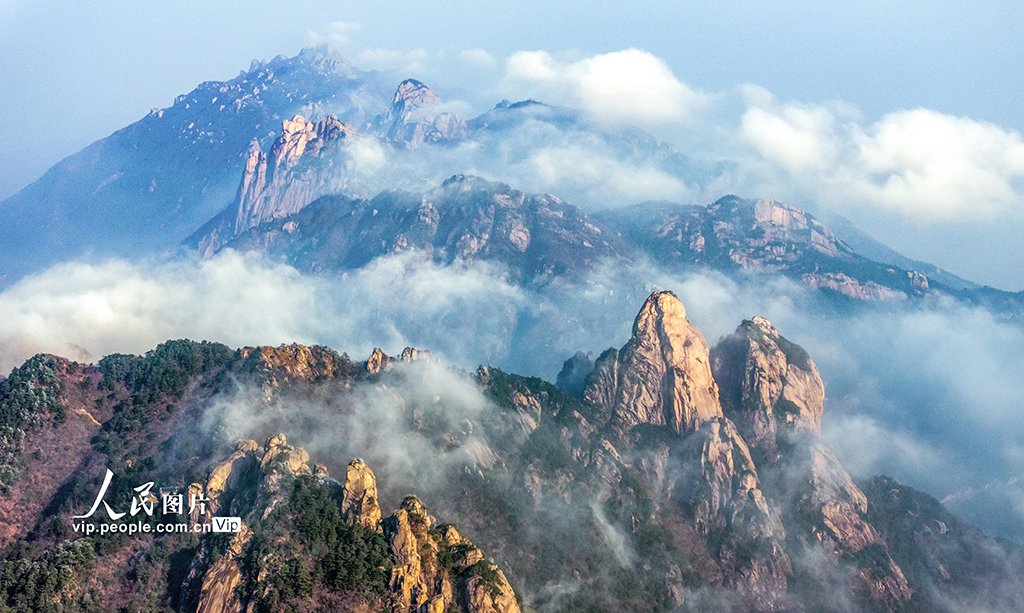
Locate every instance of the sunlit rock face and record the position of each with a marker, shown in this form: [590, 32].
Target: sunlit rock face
[769, 385]
[662, 376]
[273, 185]
[412, 119]
[359, 502]
[772, 389]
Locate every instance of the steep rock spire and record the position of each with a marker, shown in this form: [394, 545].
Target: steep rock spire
[661, 376]
[411, 120]
[772, 390]
[769, 386]
[359, 502]
[274, 184]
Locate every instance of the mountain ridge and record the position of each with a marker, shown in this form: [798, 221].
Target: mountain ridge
[745, 506]
[118, 196]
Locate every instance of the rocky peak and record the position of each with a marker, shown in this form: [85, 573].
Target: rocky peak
[325, 60]
[771, 388]
[661, 376]
[411, 354]
[435, 569]
[359, 496]
[273, 185]
[380, 361]
[410, 122]
[411, 95]
[769, 385]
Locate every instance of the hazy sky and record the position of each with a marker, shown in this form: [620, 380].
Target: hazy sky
[71, 73]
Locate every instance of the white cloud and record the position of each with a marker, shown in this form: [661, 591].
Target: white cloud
[479, 58]
[337, 34]
[925, 162]
[631, 85]
[799, 138]
[85, 311]
[605, 177]
[411, 60]
[917, 163]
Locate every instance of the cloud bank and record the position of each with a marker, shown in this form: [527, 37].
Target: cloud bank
[631, 85]
[917, 163]
[928, 394]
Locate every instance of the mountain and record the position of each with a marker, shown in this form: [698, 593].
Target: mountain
[236, 163]
[144, 188]
[539, 237]
[536, 236]
[871, 248]
[675, 476]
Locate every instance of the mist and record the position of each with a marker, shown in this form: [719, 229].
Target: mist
[926, 393]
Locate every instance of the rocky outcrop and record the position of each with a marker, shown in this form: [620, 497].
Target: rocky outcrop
[276, 366]
[662, 376]
[415, 580]
[732, 512]
[412, 121]
[437, 568]
[228, 475]
[274, 184]
[773, 390]
[279, 182]
[359, 496]
[851, 287]
[769, 385]
[379, 361]
[218, 592]
[432, 569]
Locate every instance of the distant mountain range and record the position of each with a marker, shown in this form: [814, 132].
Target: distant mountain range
[265, 162]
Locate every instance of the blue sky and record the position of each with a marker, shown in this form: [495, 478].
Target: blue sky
[74, 72]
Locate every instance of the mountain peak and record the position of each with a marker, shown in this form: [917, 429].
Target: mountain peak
[412, 93]
[325, 59]
[662, 310]
[661, 376]
[410, 123]
[769, 385]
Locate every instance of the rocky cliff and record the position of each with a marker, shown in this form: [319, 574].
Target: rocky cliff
[466, 219]
[412, 119]
[773, 390]
[766, 237]
[662, 376]
[407, 564]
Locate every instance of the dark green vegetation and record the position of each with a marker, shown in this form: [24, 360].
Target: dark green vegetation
[46, 583]
[167, 370]
[28, 398]
[306, 546]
